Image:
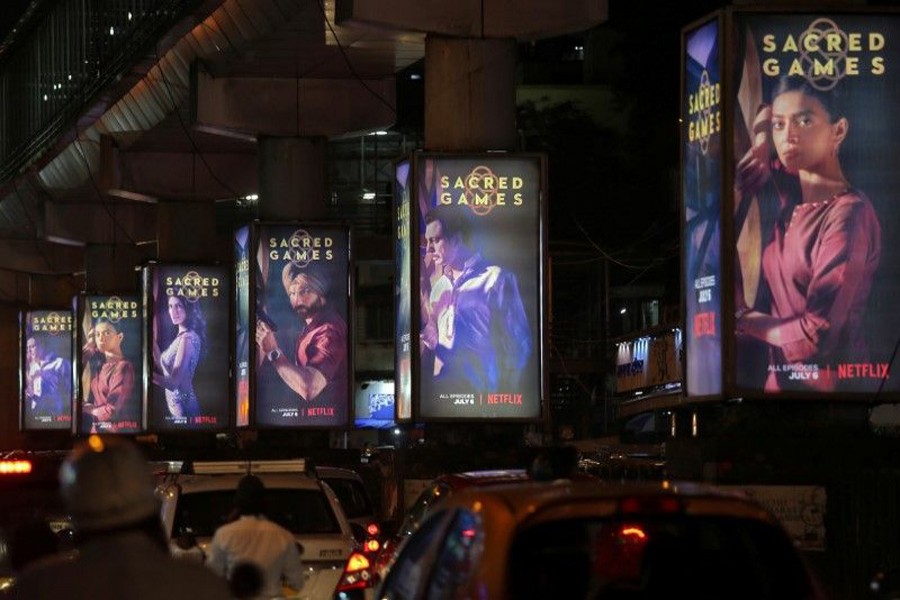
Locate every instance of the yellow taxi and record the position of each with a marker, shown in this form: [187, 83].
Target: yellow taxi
[598, 541]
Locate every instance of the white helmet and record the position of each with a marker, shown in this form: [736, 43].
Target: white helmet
[107, 484]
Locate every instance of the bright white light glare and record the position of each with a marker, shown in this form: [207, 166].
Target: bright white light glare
[623, 310]
[397, 431]
[415, 76]
[45, 97]
[369, 196]
[381, 132]
[112, 31]
[253, 197]
[129, 15]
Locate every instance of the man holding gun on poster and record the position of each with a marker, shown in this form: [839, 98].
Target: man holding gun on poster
[318, 370]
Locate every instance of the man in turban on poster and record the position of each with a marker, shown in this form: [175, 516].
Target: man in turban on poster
[317, 370]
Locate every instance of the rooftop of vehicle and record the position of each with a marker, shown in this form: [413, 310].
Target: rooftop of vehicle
[582, 498]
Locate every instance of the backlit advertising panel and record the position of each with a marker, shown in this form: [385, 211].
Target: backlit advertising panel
[302, 307]
[480, 277]
[816, 223]
[374, 404]
[189, 310]
[46, 370]
[403, 292]
[701, 193]
[109, 366]
[241, 367]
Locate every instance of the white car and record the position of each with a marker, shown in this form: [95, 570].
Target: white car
[199, 497]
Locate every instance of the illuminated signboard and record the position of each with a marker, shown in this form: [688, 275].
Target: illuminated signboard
[480, 277]
[701, 193]
[374, 404]
[649, 362]
[243, 333]
[46, 377]
[403, 292]
[816, 225]
[302, 307]
[188, 362]
[109, 364]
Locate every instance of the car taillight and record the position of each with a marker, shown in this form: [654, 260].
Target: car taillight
[373, 530]
[15, 467]
[372, 546]
[357, 574]
[649, 505]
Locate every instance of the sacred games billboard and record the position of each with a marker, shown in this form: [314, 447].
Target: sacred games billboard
[478, 282]
[815, 232]
[188, 363]
[46, 374]
[241, 367]
[303, 345]
[403, 292]
[701, 154]
[109, 364]
[810, 257]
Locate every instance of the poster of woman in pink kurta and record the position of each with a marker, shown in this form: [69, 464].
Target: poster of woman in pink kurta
[816, 240]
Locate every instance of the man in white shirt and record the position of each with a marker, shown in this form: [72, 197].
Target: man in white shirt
[253, 539]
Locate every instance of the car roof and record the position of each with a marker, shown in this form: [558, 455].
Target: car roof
[548, 501]
[215, 482]
[459, 481]
[327, 472]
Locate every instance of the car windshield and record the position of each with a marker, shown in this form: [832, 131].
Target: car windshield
[353, 496]
[300, 511]
[687, 557]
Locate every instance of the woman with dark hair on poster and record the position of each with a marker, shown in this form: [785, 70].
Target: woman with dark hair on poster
[110, 403]
[174, 367]
[826, 244]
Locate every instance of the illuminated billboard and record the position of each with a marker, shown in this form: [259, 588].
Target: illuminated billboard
[241, 367]
[479, 281]
[701, 151]
[46, 377]
[303, 349]
[816, 226]
[649, 362]
[188, 363]
[403, 292]
[109, 365]
[374, 404]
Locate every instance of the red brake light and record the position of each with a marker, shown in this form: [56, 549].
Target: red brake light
[650, 504]
[15, 467]
[373, 529]
[633, 533]
[372, 546]
[356, 574]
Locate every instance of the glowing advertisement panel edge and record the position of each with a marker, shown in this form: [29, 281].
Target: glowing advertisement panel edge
[702, 182]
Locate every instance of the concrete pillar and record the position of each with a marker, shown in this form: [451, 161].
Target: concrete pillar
[470, 94]
[111, 268]
[292, 178]
[187, 232]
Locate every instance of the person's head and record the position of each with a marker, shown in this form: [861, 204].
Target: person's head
[34, 349]
[107, 485]
[808, 125]
[107, 336]
[307, 293]
[447, 233]
[250, 498]
[185, 314]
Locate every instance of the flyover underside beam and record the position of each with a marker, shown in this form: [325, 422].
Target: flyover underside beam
[293, 107]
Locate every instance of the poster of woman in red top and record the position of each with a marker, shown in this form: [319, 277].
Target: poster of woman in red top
[814, 219]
